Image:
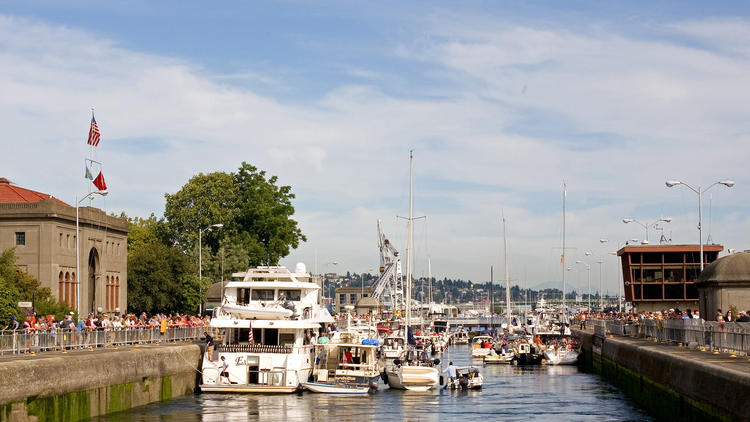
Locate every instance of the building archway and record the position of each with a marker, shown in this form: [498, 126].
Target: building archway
[93, 275]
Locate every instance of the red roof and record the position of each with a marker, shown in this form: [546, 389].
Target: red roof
[13, 193]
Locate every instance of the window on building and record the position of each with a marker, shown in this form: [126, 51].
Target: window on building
[342, 298]
[365, 294]
[60, 242]
[353, 298]
[20, 238]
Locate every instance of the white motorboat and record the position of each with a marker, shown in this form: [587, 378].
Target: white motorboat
[460, 337]
[413, 377]
[327, 388]
[263, 352]
[561, 356]
[499, 358]
[467, 378]
[345, 367]
[477, 348]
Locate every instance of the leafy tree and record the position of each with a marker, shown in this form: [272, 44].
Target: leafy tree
[255, 212]
[16, 286]
[161, 278]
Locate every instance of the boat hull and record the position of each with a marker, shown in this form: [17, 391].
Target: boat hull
[317, 387]
[247, 389]
[413, 378]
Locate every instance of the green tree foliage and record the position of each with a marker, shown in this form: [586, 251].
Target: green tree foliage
[256, 214]
[16, 286]
[161, 278]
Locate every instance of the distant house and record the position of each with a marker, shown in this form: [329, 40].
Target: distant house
[42, 228]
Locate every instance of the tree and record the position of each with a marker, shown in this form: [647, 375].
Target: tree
[255, 212]
[17, 286]
[161, 277]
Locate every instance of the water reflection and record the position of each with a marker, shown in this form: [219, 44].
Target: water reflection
[509, 393]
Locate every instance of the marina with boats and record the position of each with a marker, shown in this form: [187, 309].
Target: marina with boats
[272, 334]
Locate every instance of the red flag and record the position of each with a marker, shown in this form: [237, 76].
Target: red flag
[99, 182]
[93, 132]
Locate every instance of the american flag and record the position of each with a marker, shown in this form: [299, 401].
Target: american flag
[250, 336]
[94, 132]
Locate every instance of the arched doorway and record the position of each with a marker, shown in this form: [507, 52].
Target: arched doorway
[93, 275]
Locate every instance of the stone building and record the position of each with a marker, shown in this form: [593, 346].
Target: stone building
[42, 229]
[350, 296]
[725, 283]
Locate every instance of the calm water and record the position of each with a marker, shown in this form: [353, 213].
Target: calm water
[509, 393]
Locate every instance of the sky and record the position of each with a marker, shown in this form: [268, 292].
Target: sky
[501, 102]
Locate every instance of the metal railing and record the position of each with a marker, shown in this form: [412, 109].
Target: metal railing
[18, 342]
[730, 337]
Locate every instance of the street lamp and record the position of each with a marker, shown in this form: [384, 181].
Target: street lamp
[200, 263]
[89, 196]
[699, 191]
[330, 284]
[646, 226]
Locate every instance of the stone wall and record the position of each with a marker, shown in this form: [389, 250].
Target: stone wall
[77, 386]
[669, 384]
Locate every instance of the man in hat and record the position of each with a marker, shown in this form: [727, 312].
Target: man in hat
[12, 324]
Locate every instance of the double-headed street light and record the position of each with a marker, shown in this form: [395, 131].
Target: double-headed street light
[700, 191]
[89, 196]
[646, 226]
[200, 263]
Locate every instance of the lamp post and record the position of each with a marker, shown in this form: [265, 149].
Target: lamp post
[646, 226]
[700, 191]
[200, 263]
[601, 262]
[90, 196]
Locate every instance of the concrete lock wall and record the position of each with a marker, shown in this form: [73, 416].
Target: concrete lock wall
[79, 386]
[669, 386]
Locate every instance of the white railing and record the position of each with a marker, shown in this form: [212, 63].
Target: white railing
[730, 337]
[18, 342]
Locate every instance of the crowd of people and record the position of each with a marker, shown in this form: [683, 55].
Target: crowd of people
[48, 324]
[667, 314]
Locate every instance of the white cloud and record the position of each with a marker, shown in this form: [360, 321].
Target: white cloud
[663, 109]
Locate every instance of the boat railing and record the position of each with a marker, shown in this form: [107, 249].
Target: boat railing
[253, 348]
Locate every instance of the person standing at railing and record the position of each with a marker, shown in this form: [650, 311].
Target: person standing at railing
[162, 328]
[744, 316]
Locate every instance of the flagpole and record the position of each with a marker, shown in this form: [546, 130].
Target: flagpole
[91, 155]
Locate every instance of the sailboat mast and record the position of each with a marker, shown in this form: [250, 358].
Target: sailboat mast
[507, 280]
[429, 276]
[564, 270]
[409, 246]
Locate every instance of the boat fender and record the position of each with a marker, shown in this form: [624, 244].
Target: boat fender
[442, 380]
[299, 389]
[384, 375]
[436, 362]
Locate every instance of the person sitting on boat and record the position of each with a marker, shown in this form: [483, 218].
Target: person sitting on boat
[348, 356]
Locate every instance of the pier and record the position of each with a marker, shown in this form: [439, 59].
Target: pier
[670, 381]
[85, 383]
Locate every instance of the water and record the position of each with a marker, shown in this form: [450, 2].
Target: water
[561, 393]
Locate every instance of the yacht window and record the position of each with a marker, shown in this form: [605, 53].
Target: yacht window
[286, 339]
[293, 295]
[262, 294]
[271, 336]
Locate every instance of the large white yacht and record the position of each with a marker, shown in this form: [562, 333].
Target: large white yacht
[265, 330]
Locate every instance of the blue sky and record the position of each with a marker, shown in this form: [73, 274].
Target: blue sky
[501, 101]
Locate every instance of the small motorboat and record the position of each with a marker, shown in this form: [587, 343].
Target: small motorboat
[481, 346]
[562, 356]
[467, 378]
[499, 358]
[318, 387]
